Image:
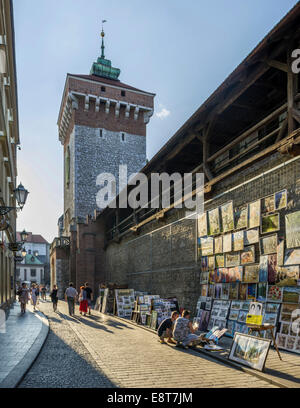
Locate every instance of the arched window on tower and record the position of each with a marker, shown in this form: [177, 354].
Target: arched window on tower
[67, 167]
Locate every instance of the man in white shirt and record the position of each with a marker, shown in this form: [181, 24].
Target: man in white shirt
[70, 296]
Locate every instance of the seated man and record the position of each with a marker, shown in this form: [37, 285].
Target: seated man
[184, 332]
[165, 328]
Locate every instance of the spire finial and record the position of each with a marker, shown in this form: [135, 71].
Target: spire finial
[102, 35]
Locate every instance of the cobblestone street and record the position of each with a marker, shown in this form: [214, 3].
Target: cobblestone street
[101, 351]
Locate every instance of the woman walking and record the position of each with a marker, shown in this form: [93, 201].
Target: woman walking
[34, 295]
[83, 305]
[23, 293]
[54, 297]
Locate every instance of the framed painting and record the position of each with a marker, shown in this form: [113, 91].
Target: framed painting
[292, 229]
[235, 304]
[248, 255]
[263, 268]
[238, 240]
[214, 221]
[225, 292]
[211, 262]
[242, 316]
[270, 223]
[268, 244]
[268, 204]
[292, 256]
[233, 315]
[233, 291]
[206, 246]
[224, 275]
[218, 290]
[243, 291]
[272, 307]
[254, 214]
[272, 267]
[218, 244]
[251, 293]
[220, 261]
[204, 277]
[287, 275]
[270, 318]
[249, 350]
[241, 217]
[202, 224]
[251, 273]
[227, 243]
[281, 340]
[285, 328]
[291, 294]
[289, 308]
[251, 236]
[227, 216]
[235, 274]
[204, 263]
[274, 293]
[280, 200]
[280, 252]
[232, 259]
[262, 292]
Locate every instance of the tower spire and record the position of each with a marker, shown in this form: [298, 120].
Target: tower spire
[102, 35]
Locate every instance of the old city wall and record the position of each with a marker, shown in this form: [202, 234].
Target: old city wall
[162, 259]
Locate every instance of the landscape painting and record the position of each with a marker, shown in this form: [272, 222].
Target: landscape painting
[292, 229]
[238, 240]
[287, 275]
[254, 214]
[227, 243]
[220, 261]
[280, 199]
[251, 273]
[291, 294]
[241, 217]
[243, 291]
[202, 224]
[250, 351]
[211, 262]
[261, 292]
[269, 223]
[233, 291]
[272, 268]
[251, 236]
[227, 217]
[214, 222]
[251, 294]
[263, 268]
[248, 255]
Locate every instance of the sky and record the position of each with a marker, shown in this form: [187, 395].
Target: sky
[181, 51]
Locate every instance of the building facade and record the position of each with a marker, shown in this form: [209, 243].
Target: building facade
[245, 139]
[30, 270]
[9, 139]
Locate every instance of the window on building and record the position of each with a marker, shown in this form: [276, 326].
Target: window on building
[123, 93]
[32, 272]
[18, 271]
[103, 89]
[29, 251]
[25, 274]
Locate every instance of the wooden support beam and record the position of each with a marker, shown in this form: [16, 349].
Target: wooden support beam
[296, 114]
[282, 131]
[291, 92]
[186, 140]
[278, 65]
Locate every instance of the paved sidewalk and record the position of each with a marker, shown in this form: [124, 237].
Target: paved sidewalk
[101, 350]
[20, 345]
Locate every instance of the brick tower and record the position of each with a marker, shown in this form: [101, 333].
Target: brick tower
[102, 124]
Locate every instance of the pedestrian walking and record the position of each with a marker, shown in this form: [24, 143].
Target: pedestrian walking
[89, 296]
[70, 296]
[44, 293]
[34, 295]
[23, 293]
[54, 297]
[83, 303]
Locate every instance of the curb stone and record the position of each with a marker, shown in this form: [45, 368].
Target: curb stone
[16, 375]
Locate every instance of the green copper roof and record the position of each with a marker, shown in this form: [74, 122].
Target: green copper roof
[103, 66]
[32, 260]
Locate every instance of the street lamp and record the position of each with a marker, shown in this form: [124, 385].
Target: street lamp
[24, 235]
[36, 253]
[24, 252]
[20, 195]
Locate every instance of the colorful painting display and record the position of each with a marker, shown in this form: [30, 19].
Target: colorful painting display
[292, 229]
[241, 217]
[287, 275]
[262, 292]
[254, 214]
[213, 222]
[211, 262]
[243, 291]
[249, 350]
[251, 291]
[248, 255]
[291, 294]
[235, 274]
[272, 265]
